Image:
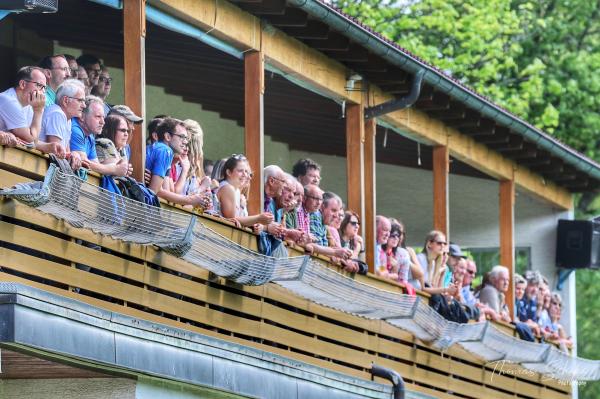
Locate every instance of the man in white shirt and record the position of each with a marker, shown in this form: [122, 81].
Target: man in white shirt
[56, 122]
[21, 109]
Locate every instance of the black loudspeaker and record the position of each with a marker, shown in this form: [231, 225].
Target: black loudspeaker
[35, 6]
[578, 244]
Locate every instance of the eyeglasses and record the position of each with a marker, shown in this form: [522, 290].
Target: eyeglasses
[282, 181]
[64, 69]
[105, 80]
[38, 85]
[352, 222]
[182, 137]
[315, 198]
[123, 130]
[80, 100]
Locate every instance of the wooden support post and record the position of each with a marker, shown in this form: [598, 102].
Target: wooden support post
[134, 55]
[441, 162]
[368, 220]
[354, 157]
[254, 73]
[507, 241]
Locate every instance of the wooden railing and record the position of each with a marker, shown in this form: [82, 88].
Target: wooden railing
[141, 281]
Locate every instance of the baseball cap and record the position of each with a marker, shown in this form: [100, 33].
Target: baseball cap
[454, 250]
[126, 112]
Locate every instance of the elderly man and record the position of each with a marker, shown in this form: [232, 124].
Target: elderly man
[22, 107]
[56, 122]
[274, 182]
[172, 139]
[319, 214]
[286, 203]
[83, 139]
[57, 70]
[466, 291]
[492, 294]
[307, 171]
[102, 89]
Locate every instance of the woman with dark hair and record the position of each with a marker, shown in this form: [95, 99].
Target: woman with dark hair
[235, 174]
[349, 237]
[110, 146]
[398, 259]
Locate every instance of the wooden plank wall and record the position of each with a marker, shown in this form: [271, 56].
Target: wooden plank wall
[144, 282]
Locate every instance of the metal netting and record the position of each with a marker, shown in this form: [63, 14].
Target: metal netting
[84, 205]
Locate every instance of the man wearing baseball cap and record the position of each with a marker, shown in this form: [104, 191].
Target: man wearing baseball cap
[455, 256]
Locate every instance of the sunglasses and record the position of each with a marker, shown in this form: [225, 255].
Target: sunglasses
[395, 235]
[239, 157]
[354, 223]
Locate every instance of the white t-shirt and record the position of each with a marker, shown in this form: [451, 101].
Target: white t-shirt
[12, 114]
[55, 123]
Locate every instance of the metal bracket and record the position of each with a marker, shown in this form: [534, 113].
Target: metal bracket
[398, 103]
[563, 275]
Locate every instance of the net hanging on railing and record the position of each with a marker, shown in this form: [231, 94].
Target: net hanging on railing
[84, 205]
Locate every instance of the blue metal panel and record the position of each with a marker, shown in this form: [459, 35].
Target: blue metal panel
[163, 360]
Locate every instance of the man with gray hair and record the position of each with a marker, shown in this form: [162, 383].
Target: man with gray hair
[274, 182]
[83, 138]
[493, 293]
[56, 122]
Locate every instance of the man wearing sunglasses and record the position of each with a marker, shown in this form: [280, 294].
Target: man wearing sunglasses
[21, 109]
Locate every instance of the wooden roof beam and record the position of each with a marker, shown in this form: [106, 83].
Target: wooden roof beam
[334, 42]
[292, 17]
[313, 30]
[266, 7]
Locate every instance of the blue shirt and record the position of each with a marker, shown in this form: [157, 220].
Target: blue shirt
[50, 96]
[80, 141]
[527, 309]
[159, 161]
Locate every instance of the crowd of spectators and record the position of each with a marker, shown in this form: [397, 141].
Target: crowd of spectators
[60, 107]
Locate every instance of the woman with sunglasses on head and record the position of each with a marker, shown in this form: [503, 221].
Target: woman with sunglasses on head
[236, 174]
[433, 260]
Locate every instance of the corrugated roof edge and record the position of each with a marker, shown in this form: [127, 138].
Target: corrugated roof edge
[400, 57]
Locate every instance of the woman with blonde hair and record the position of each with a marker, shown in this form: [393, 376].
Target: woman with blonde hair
[195, 182]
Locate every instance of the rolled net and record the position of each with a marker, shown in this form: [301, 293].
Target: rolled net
[87, 206]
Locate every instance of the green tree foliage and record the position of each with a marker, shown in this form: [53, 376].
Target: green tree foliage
[540, 59]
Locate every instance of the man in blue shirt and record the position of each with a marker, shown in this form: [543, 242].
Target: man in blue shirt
[83, 140]
[172, 139]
